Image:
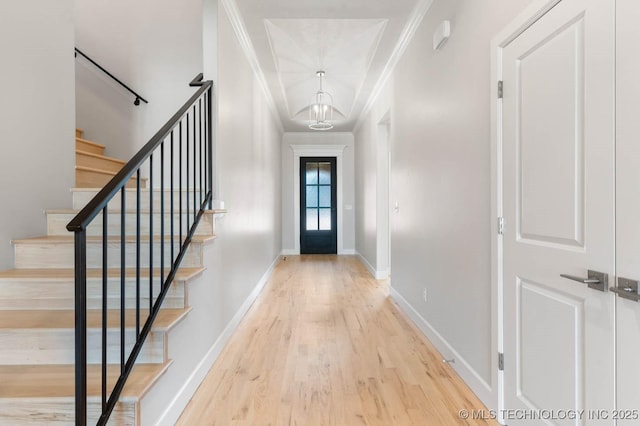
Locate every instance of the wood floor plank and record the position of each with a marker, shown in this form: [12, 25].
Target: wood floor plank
[324, 344]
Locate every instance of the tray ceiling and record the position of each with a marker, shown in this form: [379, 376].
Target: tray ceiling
[352, 41]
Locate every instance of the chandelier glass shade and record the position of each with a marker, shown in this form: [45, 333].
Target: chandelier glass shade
[321, 108]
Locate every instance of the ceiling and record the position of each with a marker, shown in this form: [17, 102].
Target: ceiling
[354, 41]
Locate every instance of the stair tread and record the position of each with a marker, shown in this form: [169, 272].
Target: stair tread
[64, 319]
[102, 157]
[90, 142]
[102, 172]
[142, 211]
[64, 239]
[183, 274]
[96, 170]
[58, 381]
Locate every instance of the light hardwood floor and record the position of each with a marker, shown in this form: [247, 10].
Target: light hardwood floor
[325, 345]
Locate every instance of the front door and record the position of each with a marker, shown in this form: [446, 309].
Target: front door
[558, 198]
[318, 213]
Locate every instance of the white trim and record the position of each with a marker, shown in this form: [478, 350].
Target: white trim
[348, 252]
[524, 20]
[317, 151]
[290, 252]
[186, 392]
[378, 275]
[409, 30]
[531, 14]
[497, 321]
[231, 7]
[477, 384]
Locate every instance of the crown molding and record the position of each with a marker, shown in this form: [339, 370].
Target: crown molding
[318, 149]
[410, 29]
[231, 7]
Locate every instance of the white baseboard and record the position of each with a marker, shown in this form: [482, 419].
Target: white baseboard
[378, 275]
[477, 384]
[292, 252]
[348, 252]
[184, 395]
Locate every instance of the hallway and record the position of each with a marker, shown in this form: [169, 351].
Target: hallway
[324, 345]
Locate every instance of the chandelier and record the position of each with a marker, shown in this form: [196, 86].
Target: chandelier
[321, 108]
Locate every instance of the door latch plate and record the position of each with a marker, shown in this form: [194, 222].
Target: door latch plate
[627, 289]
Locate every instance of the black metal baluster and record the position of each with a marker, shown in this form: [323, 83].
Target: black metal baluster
[206, 153]
[105, 295]
[80, 261]
[187, 178]
[162, 215]
[195, 208]
[138, 232]
[210, 144]
[123, 205]
[150, 233]
[200, 157]
[171, 207]
[180, 185]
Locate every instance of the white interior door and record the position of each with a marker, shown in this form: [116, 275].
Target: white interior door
[628, 206]
[558, 204]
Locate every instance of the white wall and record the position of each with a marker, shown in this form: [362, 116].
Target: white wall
[37, 110]
[371, 181]
[155, 47]
[440, 138]
[248, 236]
[348, 184]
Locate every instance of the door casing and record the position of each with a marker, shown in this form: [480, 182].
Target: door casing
[336, 151]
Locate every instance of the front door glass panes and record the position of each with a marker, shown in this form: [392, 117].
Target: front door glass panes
[318, 195]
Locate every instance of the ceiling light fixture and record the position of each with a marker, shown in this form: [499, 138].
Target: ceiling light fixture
[321, 108]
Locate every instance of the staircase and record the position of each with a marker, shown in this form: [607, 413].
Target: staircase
[93, 168]
[37, 301]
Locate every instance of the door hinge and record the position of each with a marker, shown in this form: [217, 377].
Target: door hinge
[501, 226]
[500, 89]
[500, 361]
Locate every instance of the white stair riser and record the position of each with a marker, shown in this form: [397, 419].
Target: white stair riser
[56, 346]
[27, 295]
[61, 255]
[82, 197]
[57, 223]
[60, 411]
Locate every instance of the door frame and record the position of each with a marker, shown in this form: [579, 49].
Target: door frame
[383, 197]
[517, 26]
[305, 234]
[317, 151]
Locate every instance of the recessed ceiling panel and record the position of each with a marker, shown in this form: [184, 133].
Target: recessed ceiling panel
[343, 48]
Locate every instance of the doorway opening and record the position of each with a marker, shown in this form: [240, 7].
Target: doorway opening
[383, 214]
